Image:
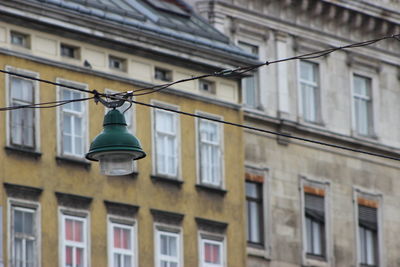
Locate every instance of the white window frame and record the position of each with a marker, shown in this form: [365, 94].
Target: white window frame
[317, 93]
[377, 197]
[30, 206]
[160, 229]
[374, 104]
[177, 175]
[77, 215]
[124, 223]
[213, 239]
[84, 116]
[220, 127]
[328, 256]
[36, 111]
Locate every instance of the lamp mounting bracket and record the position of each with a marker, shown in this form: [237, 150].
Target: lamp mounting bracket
[116, 101]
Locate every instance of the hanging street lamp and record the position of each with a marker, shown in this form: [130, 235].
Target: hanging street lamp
[115, 147]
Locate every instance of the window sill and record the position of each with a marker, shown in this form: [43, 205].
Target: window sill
[22, 151]
[73, 161]
[166, 179]
[315, 261]
[210, 188]
[258, 251]
[370, 138]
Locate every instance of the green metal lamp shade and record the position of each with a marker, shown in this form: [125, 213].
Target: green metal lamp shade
[115, 139]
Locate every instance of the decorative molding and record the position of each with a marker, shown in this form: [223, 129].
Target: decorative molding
[211, 225]
[23, 191]
[73, 201]
[121, 209]
[167, 217]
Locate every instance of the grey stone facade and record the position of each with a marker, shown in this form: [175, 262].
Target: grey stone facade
[284, 28]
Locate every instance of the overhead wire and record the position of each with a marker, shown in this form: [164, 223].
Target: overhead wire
[51, 104]
[242, 70]
[227, 72]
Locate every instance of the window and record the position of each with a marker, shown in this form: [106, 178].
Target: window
[73, 118]
[121, 245]
[23, 237]
[254, 201]
[211, 253]
[74, 241]
[162, 74]
[117, 63]
[309, 90]
[362, 101]
[315, 225]
[168, 249]
[368, 236]
[166, 143]
[209, 138]
[22, 121]
[70, 51]
[20, 39]
[207, 86]
[250, 83]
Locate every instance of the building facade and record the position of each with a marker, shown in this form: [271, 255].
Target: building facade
[310, 205]
[181, 206]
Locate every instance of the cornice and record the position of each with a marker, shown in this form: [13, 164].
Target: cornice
[295, 128]
[340, 20]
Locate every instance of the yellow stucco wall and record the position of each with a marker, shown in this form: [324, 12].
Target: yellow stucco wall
[45, 172]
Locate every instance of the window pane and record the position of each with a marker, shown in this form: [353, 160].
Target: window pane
[30, 253]
[68, 230]
[28, 223]
[211, 253]
[316, 228]
[18, 251]
[18, 221]
[164, 245]
[250, 95]
[16, 126]
[361, 248]
[78, 231]
[126, 236]
[78, 145]
[127, 261]
[251, 190]
[79, 257]
[309, 235]
[68, 256]
[255, 222]
[117, 260]
[117, 237]
[172, 244]
[370, 247]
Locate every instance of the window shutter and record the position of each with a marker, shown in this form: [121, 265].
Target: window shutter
[314, 206]
[367, 217]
